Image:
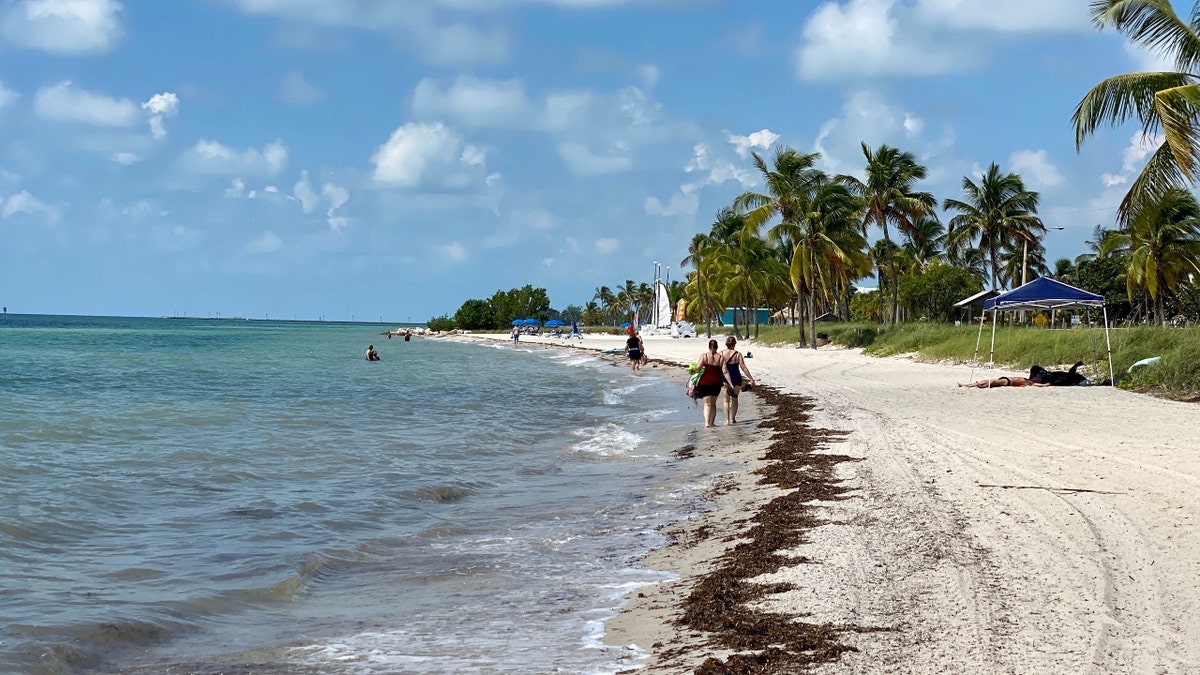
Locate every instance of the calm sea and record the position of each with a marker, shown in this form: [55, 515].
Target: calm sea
[197, 496]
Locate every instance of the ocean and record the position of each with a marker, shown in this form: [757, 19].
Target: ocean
[216, 496]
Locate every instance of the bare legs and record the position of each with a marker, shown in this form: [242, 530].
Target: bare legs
[731, 405]
[710, 411]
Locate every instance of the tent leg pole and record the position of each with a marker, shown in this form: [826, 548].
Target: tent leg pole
[992, 353]
[1108, 344]
[978, 341]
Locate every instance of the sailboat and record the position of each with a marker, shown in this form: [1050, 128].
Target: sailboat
[662, 307]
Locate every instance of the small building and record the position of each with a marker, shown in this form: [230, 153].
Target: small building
[973, 306]
[745, 316]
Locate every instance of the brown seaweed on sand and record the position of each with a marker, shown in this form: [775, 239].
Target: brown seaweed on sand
[720, 604]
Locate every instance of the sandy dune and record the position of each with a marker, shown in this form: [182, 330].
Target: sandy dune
[1012, 530]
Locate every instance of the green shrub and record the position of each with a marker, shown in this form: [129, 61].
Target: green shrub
[440, 323]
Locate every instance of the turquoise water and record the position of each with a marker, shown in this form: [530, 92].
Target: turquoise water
[215, 493]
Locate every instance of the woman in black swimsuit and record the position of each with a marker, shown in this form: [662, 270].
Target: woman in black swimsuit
[1004, 381]
[633, 349]
[736, 368]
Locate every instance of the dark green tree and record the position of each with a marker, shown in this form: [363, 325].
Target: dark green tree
[475, 315]
[932, 293]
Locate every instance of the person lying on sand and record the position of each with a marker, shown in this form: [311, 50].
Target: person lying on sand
[1058, 378]
[1004, 382]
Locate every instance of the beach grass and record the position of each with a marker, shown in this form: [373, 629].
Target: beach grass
[1176, 375]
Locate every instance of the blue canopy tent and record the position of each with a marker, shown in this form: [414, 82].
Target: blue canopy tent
[1042, 293]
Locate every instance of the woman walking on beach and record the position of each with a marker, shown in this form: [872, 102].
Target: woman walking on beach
[635, 350]
[709, 386]
[736, 368]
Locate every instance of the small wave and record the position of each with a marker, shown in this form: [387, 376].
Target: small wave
[620, 394]
[445, 530]
[606, 440]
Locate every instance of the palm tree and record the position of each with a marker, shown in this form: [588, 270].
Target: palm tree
[969, 259]
[889, 197]
[1164, 102]
[789, 180]
[645, 299]
[607, 300]
[826, 242]
[996, 215]
[1161, 246]
[703, 301]
[627, 300]
[923, 241]
[1093, 244]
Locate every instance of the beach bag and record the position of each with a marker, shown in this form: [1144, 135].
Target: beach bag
[693, 380]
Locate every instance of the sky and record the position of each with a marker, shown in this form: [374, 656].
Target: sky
[386, 160]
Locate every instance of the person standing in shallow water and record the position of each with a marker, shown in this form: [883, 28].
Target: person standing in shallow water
[736, 369]
[635, 351]
[372, 355]
[713, 375]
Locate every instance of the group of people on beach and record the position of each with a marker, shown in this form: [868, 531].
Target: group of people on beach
[723, 374]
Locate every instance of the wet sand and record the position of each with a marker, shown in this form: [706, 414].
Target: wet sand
[933, 528]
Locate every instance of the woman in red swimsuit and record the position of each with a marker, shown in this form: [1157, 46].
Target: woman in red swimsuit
[715, 375]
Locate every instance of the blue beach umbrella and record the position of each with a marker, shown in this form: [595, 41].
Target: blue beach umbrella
[531, 322]
[517, 322]
[555, 322]
[625, 325]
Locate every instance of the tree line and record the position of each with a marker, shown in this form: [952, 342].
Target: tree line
[802, 242]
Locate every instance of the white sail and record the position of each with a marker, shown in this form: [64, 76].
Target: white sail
[662, 307]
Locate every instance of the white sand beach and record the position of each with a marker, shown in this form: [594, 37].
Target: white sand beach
[1010, 530]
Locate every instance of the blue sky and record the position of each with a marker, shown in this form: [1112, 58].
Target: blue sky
[390, 159]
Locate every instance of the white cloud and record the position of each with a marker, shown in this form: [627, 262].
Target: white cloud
[455, 251]
[237, 188]
[461, 43]
[267, 243]
[586, 161]
[1035, 167]
[877, 38]
[125, 158]
[159, 107]
[305, 194]
[68, 103]
[686, 202]
[865, 117]
[594, 133]
[62, 27]
[434, 35]
[211, 157]
[607, 245]
[1133, 158]
[25, 203]
[649, 75]
[761, 140]
[1147, 60]
[1010, 16]
[7, 96]
[682, 203]
[473, 156]
[425, 154]
[294, 89]
[337, 196]
[174, 238]
[475, 102]
[143, 209]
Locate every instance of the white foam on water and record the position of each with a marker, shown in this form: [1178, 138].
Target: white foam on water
[605, 440]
